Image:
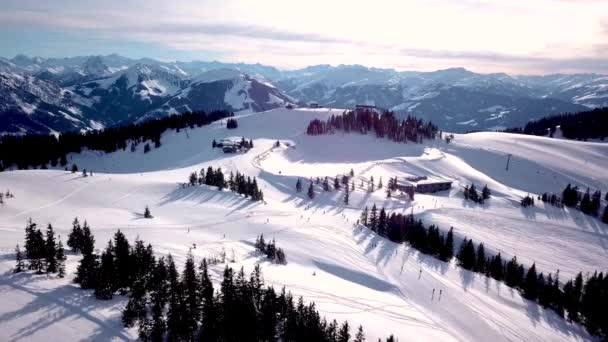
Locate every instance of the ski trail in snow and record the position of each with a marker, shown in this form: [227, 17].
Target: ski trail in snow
[59, 200]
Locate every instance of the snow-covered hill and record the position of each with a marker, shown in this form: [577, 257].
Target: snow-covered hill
[350, 273]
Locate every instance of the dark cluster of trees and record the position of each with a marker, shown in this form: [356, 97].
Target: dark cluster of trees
[270, 249]
[527, 201]
[44, 253]
[578, 300]
[6, 195]
[385, 125]
[404, 228]
[471, 193]
[242, 144]
[32, 151]
[236, 182]
[167, 305]
[592, 124]
[588, 203]
[232, 124]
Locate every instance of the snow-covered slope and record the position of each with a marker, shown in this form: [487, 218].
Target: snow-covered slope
[349, 272]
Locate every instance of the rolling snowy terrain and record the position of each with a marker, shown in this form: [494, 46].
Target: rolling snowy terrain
[349, 272]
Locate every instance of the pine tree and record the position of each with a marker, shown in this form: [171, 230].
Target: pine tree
[311, 191]
[481, 259]
[299, 185]
[381, 229]
[75, 237]
[360, 337]
[344, 333]
[147, 213]
[447, 250]
[50, 250]
[191, 287]
[87, 268]
[363, 219]
[380, 183]
[60, 256]
[104, 285]
[74, 168]
[326, 184]
[336, 183]
[159, 295]
[209, 309]
[605, 216]
[530, 285]
[466, 256]
[19, 259]
[346, 195]
[373, 218]
[485, 193]
[174, 313]
[122, 262]
[371, 184]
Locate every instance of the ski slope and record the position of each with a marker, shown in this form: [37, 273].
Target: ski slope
[350, 273]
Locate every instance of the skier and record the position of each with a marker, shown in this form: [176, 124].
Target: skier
[420, 274]
[433, 295]
[440, 292]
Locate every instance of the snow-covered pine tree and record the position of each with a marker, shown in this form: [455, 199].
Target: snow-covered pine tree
[50, 251]
[60, 257]
[19, 265]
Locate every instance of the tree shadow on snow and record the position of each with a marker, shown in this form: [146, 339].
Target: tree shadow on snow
[61, 304]
[356, 277]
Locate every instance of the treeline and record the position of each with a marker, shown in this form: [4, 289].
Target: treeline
[579, 300]
[384, 125]
[44, 253]
[592, 124]
[404, 228]
[33, 151]
[167, 305]
[232, 124]
[236, 182]
[588, 203]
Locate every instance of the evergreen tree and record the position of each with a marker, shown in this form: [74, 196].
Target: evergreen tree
[586, 203]
[105, 282]
[373, 218]
[344, 333]
[209, 309]
[336, 183]
[530, 285]
[447, 250]
[605, 216]
[311, 191]
[19, 259]
[381, 229]
[363, 219]
[346, 194]
[326, 184]
[380, 183]
[122, 262]
[147, 213]
[50, 250]
[191, 287]
[87, 268]
[466, 256]
[485, 193]
[74, 168]
[299, 185]
[135, 310]
[360, 337]
[175, 325]
[60, 256]
[481, 259]
[75, 237]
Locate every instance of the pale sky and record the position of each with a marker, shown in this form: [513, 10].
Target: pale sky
[513, 36]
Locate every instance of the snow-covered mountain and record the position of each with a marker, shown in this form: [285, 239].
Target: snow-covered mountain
[29, 104]
[119, 89]
[350, 272]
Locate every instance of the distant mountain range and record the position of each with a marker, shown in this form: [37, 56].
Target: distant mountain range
[44, 95]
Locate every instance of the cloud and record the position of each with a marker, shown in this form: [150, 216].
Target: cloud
[484, 35]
